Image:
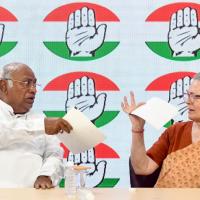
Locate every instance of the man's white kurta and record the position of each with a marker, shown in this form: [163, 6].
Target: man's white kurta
[26, 152]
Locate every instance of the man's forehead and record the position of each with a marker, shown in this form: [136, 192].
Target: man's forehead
[23, 71]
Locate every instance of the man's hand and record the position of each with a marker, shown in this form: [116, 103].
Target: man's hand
[83, 38]
[184, 34]
[176, 93]
[43, 182]
[82, 95]
[96, 173]
[56, 125]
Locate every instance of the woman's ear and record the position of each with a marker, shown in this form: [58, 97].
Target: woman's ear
[3, 86]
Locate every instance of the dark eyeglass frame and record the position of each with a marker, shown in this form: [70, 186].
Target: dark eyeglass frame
[26, 84]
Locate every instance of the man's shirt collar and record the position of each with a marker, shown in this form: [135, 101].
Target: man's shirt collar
[7, 107]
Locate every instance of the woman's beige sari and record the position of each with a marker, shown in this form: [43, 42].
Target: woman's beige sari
[181, 168]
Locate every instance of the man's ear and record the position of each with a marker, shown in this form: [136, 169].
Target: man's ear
[3, 86]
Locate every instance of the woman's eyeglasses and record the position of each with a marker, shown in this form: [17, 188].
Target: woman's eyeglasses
[190, 96]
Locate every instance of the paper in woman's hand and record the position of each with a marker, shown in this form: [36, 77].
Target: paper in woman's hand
[85, 135]
[156, 112]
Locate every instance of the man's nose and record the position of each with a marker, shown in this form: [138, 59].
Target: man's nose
[33, 89]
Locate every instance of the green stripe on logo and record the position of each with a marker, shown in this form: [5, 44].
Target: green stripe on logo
[107, 182]
[60, 49]
[163, 49]
[6, 47]
[169, 123]
[104, 119]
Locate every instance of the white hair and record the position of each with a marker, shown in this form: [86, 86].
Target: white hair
[196, 77]
[7, 70]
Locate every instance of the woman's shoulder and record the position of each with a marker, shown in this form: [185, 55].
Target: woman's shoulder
[180, 128]
[180, 125]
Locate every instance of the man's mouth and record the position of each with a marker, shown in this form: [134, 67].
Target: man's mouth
[30, 100]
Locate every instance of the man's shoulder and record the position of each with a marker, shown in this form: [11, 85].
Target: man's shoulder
[34, 114]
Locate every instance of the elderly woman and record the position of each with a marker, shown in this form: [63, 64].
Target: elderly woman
[177, 149]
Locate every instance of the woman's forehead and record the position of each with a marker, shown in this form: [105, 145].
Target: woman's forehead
[195, 86]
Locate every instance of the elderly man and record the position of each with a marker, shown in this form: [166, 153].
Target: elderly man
[28, 156]
[178, 148]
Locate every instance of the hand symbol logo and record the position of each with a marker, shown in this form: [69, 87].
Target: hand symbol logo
[177, 90]
[184, 34]
[83, 38]
[82, 95]
[96, 173]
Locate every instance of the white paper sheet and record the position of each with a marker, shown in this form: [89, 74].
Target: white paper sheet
[156, 112]
[85, 135]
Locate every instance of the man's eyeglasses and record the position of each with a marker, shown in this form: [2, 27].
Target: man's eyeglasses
[26, 84]
[190, 96]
